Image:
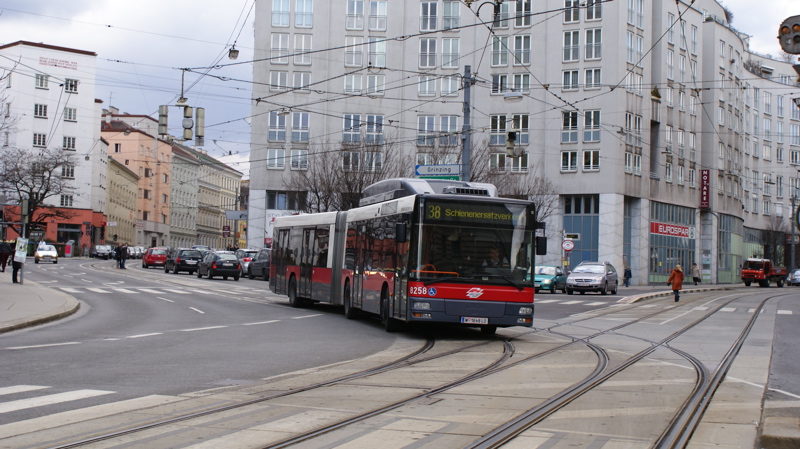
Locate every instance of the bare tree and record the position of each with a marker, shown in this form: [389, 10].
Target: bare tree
[774, 238]
[36, 175]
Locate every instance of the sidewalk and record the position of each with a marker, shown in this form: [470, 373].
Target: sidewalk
[30, 304]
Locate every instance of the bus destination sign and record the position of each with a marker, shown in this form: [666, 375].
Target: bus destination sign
[488, 214]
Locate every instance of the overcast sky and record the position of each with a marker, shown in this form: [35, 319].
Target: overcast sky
[142, 46]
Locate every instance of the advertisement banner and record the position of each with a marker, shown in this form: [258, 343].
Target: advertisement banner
[705, 189]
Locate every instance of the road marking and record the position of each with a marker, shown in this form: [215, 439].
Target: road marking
[598, 303]
[197, 310]
[306, 316]
[164, 299]
[69, 289]
[701, 308]
[96, 290]
[45, 346]
[571, 302]
[23, 404]
[125, 290]
[20, 389]
[148, 290]
[784, 312]
[728, 309]
[261, 322]
[88, 281]
[205, 292]
[203, 328]
[145, 335]
[545, 301]
[180, 292]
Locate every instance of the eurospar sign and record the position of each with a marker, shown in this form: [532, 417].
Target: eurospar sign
[673, 230]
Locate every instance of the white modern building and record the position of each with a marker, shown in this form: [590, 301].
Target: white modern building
[668, 141]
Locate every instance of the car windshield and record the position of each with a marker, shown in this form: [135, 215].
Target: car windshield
[226, 256]
[753, 265]
[102, 247]
[546, 270]
[158, 252]
[192, 253]
[250, 254]
[594, 269]
[47, 248]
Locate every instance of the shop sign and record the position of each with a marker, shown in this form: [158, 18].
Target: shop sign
[705, 189]
[671, 230]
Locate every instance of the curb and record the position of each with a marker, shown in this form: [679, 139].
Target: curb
[644, 296]
[70, 307]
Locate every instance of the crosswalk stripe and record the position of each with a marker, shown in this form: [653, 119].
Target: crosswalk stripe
[124, 290]
[597, 303]
[96, 290]
[205, 292]
[20, 389]
[784, 312]
[69, 290]
[149, 290]
[572, 302]
[83, 415]
[22, 404]
[728, 309]
[174, 290]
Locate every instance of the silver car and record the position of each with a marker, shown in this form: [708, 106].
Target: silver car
[593, 277]
[793, 278]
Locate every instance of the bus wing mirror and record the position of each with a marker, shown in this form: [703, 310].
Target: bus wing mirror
[541, 246]
[400, 233]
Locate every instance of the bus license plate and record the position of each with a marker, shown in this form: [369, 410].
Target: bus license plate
[474, 320]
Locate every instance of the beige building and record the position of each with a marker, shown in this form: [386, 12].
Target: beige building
[149, 158]
[184, 188]
[121, 195]
[218, 189]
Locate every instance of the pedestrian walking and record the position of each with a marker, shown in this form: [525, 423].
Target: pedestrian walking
[118, 255]
[628, 275]
[15, 267]
[676, 281]
[5, 252]
[696, 274]
[124, 250]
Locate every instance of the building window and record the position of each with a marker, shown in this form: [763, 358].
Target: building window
[569, 126]
[450, 85]
[376, 84]
[522, 50]
[497, 132]
[377, 52]
[118, 148]
[377, 15]
[301, 81]
[594, 42]
[571, 46]
[519, 164]
[303, 13]
[592, 79]
[594, 9]
[41, 81]
[591, 126]
[373, 161]
[670, 64]
[570, 80]
[499, 51]
[499, 83]
[355, 15]
[374, 129]
[164, 198]
[67, 171]
[277, 126]
[39, 140]
[351, 160]
[668, 172]
[71, 86]
[299, 160]
[354, 51]
[300, 126]
[449, 130]
[427, 85]
[302, 47]
[352, 83]
[591, 160]
[521, 122]
[280, 13]
[279, 49]
[680, 175]
[523, 13]
[69, 143]
[450, 53]
[427, 16]
[351, 133]
[522, 82]
[497, 162]
[572, 12]
[450, 14]
[66, 200]
[40, 110]
[276, 158]
[569, 161]
[427, 53]
[426, 130]
[147, 195]
[278, 80]
[70, 114]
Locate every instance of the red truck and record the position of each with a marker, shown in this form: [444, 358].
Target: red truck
[762, 271]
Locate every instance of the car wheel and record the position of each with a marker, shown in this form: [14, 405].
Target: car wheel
[536, 290]
[583, 293]
[569, 291]
[55, 261]
[746, 283]
[250, 273]
[210, 274]
[604, 290]
[35, 260]
[199, 274]
[614, 291]
[225, 278]
[236, 278]
[175, 270]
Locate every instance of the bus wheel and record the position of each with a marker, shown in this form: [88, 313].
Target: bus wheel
[294, 301]
[389, 323]
[349, 312]
[488, 330]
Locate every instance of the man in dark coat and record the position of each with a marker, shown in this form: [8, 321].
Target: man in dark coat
[5, 251]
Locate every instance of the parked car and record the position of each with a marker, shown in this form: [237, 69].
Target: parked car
[259, 266]
[219, 263]
[550, 278]
[793, 278]
[102, 252]
[245, 256]
[45, 253]
[136, 252]
[182, 259]
[593, 277]
[154, 256]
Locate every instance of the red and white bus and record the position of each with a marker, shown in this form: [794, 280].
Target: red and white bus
[414, 251]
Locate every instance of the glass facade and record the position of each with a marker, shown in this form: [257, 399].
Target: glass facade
[582, 216]
[672, 240]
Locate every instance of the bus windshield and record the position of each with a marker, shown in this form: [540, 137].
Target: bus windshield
[459, 247]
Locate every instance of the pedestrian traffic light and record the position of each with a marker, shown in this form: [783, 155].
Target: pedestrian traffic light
[512, 149]
[789, 35]
[115, 237]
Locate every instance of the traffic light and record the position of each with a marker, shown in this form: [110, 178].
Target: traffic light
[789, 35]
[512, 150]
[115, 237]
[163, 112]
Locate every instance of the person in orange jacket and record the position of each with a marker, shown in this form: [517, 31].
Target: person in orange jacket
[676, 281]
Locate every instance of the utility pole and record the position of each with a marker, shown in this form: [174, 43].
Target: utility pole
[793, 222]
[466, 137]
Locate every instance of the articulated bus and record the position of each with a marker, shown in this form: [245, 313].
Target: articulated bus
[414, 251]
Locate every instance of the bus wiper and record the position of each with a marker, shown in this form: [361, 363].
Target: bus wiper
[454, 278]
[437, 280]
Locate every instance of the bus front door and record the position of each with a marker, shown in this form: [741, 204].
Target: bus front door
[358, 275]
[306, 264]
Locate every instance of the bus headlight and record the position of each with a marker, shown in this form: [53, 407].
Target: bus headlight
[526, 310]
[421, 305]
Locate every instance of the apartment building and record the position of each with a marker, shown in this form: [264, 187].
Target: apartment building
[184, 188]
[48, 94]
[123, 188]
[667, 140]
